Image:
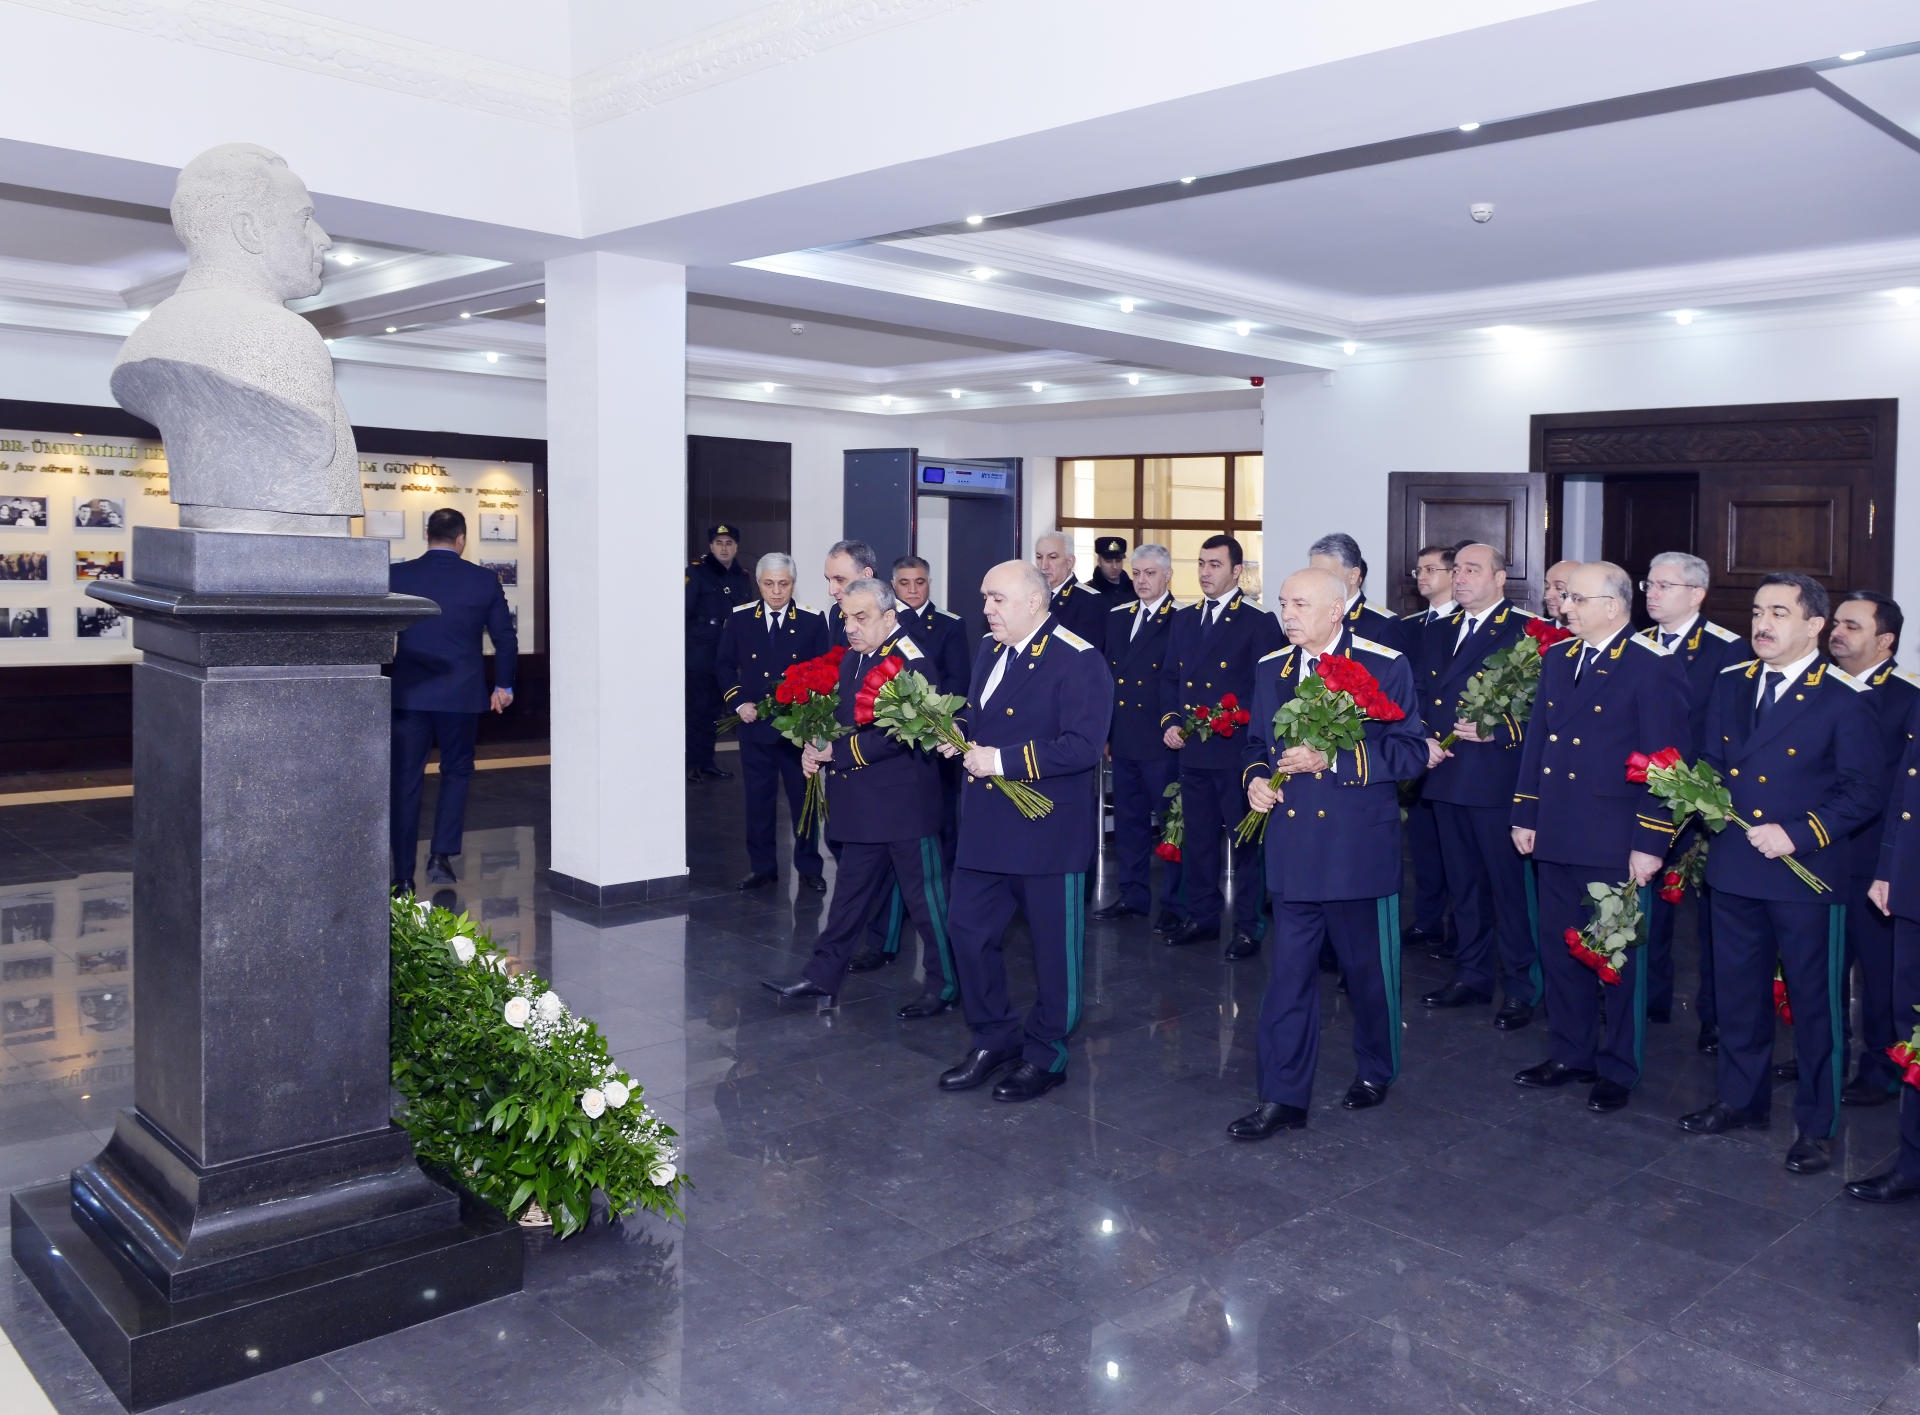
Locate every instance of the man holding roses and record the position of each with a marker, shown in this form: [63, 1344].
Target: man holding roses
[1601, 698]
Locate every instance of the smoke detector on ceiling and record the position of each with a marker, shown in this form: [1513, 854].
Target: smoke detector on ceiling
[1481, 212]
[796, 328]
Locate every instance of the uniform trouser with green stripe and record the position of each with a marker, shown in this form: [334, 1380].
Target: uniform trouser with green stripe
[865, 871]
[982, 905]
[1807, 939]
[1365, 936]
[1576, 994]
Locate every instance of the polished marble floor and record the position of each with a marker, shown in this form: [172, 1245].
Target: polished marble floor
[858, 1242]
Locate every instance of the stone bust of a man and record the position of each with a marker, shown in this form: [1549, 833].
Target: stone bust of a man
[241, 387]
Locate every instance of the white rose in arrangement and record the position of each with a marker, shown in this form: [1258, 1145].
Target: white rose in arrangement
[593, 1103]
[497, 962]
[517, 1011]
[549, 1006]
[422, 909]
[463, 949]
[616, 1094]
[662, 1174]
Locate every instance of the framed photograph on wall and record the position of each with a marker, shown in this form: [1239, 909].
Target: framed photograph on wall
[104, 622]
[499, 527]
[386, 525]
[507, 570]
[23, 565]
[99, 513]
[99, 565]
[23, 513]
[26, 622]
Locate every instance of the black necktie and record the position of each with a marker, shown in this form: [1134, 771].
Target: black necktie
[1212, 616]
[1667, 640]
[1471, 625]
[1769, 682]
[773, 623]
[1580, 663]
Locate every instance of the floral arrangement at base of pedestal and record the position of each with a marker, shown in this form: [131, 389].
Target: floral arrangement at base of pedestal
[1696, 790]
[909, 709]
[1687, 872]
[801, 709]
[1173, 825]
[507, 1090]
[1616, 926]
[1504, 690]
[1906, 1056]
[1223, 719]
[1329, 712]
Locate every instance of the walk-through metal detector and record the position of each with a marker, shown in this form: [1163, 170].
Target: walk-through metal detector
[961, 515]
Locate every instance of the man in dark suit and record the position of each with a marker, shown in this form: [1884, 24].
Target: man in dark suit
[1794, 741]
[440, 690]
[1038, 711]
[883, 810]
[1553, 589]
[1604, 696]
[1863, 641]
[1332, 860]
[847, 561]
[762, 639]
[1471, 788]
[1895, 894]
[1143, 765]
[716, 586]
[1339, 555]
[1070, 602]
[1110, 579]
[1211, 650]
[1676, 587]
[1433, 578]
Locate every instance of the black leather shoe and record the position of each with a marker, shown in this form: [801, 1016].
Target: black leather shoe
[1719, 1118]
[1786, 1070]
[977, 1069]
[928, 1004]
[1551, 1073]
[1863, 1092]
[716, 773]
[1456, 995]
[1889, 1188]
[1116, 911]
[1191, 933]
[1413, 936]
[816, 884]
[1363, 1095]
[796, 990]
[1267, 1118]
[440, 870]
[1512, 1015]
[1662, 1015]
[1607, 1096]
[759, 879]
[1027, 1082]
[1809, 1156]
[1168, 922]
[1243, 946]
[1709, 1039]
[867, 960]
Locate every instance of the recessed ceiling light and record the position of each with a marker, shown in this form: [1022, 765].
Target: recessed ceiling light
[1243, 328]
[492, 357]
[393, 329]
[1469, 127]
[541, 301]
[768, 387]
[1683, 316]
[886, 400]
[466, 314]
[141, 314]
[1134, 379]
[1853, 54]
[1126, 306]
[345, 257]
[1036, 387]
[1511, 336]
[953, 392]
[975, 220]
[980, 272]
[1185, 180]
[1349, 347]
[1906, 296]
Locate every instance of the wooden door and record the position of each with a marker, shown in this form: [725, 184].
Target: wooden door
[1503, 510]
[744, 483]
[1645, 516]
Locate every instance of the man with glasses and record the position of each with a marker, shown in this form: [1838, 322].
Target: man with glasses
[1676, 587]
[1433, 578]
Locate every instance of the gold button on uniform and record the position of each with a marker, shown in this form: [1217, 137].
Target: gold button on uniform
[1289, 815]
[1553, 736]
[1734, 772]
[1763, 781]
[1756, 815]
[1323, 815]
[1791, 751]
[1576, 741]
[1570, 776]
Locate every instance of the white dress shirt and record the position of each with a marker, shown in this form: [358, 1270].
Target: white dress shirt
[999, 672]
[1790, 673]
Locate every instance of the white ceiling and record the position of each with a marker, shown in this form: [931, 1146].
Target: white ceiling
[829, 339]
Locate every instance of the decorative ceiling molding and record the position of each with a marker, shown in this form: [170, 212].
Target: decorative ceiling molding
[703, 385]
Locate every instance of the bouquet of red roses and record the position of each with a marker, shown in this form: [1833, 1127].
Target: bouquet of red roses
[1173, 825]
[1615, 927]
[801, 709]
[1696, 790]
[1329, 712]
[1506, 686]
[1223, 719]
[1906, 1056]
[908, 708]
[1687, 872]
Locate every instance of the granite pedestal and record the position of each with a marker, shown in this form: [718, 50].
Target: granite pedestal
[256, 1206]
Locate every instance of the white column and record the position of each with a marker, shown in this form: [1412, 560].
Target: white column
[616, 517]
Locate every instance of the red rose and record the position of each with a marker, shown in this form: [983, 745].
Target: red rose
[1168, 851]
[1223, 729]
[1666, 757]
[1911, 1076]
[1609, 974]
[1241, 717]
[1637, 764]
[1901, 1053]
[1573, 938]
[1546, 633]
[1672, 895]
[1229, 701]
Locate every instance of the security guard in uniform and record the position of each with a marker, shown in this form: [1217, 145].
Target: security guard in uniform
[716, 586]
[1110, 579]
[1037, 711]
[1332, 860]
[1471, 787]
[1143, 765]
[1211, 651]
[1070, 602]
[1793, 740]
[1339, 555]
[1601, 698]
[883, 810]
[760, 642]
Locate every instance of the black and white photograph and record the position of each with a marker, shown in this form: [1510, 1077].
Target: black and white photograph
[99, 513]
[23, 565]
[25, 622]
[23, 513]
[99, 565]
[100, 960]
[499, 527]
[30, 921]
[105, 1009]
[99, 622]
[507, 570]
[20, 1015]
[20, 970]
[98, 916]
[386, 525]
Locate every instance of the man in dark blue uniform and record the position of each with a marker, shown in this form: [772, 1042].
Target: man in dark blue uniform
[1332, 861]
[1604, 696]
[883, 810]
[847, 561]
[1795, 743]
[440, 690]
[1433, 578]
[1863, 640]
[1110, 579]
[1143, 765]
[1676, 587]
[1037, 712]
[716, 586]
[1895, 893]
[761, 641]
[1471, 788]
[1069, 602]
[1211, 651]
[1339, 555]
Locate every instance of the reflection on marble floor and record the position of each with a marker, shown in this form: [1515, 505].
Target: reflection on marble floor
[858, 1242]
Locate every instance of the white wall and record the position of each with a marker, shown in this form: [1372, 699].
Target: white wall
[1331, 443]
